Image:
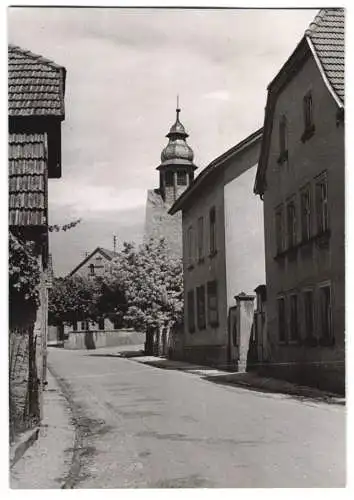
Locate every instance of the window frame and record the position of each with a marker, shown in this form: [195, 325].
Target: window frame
[283, 138]
[201, 307]
[212, 293]
[322, 212]
[291, 232]
[200, 238]
[282, 338]
[169, 178]
[191, 310]
[190, 248]
[212, 231]
[308, 116]
[330, 337]
[309, 335]
[182, 174]
[279, 230]
[306, 213]
[293, 325]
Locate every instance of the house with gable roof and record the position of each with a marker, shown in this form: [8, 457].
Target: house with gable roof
[36, 89]
[108, 330]
[301, 178]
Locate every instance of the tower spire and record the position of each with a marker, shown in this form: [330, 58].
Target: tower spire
[178, 110]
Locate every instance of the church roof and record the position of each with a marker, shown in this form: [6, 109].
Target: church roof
[177, 151]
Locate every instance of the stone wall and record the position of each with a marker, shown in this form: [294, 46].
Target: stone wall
[159, 224]
[96, 339]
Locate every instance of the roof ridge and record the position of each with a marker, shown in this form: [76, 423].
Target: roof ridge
[37, 57]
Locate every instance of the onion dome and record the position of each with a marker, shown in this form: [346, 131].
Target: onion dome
[177, 151]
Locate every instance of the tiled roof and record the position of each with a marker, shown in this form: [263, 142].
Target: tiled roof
[27, 179]
[36, 85]
[326, 33]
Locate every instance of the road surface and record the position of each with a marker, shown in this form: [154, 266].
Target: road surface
[144, 427]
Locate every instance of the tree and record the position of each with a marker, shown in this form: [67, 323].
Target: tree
[75, 298]
[152, 281]
[72, 299]
[24, 278]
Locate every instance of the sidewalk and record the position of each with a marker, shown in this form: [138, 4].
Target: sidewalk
[46, 463]
[249, 380]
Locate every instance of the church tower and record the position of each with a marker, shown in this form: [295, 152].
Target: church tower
[176, 172]
[177, 167]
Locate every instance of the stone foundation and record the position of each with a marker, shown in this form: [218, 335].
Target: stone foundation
[324, 376]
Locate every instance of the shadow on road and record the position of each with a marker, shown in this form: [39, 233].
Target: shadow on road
[301, 393]
[120, 354]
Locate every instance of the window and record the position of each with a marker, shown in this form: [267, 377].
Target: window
[213, 317]
[322, 204]
[281, 320]
[294, 331]
[181, 178]
[75, 326]
[84, 325]
[169, 178]
[92, 269]
[325, 307]
[291, 223]
[308, 111]
[101, 324]
[283, 139]
[191, 319]
[190, 243]
[212, 230]
[305, 214]
[200, 238]
[201, 307]
[279, 229]
[308, 307]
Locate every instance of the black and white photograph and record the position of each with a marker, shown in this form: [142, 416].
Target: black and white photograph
[176, 247]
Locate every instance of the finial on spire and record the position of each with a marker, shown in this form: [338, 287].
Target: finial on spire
[178, 110]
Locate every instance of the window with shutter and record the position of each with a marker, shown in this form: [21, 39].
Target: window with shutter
[308, 308]
[213, 316]
[322, 204]
[281, 319]
[325, 307]
[201, 307]
[190, 311]
[305, 214]
[200, 238]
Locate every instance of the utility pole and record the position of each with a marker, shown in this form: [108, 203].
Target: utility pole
[114, 243]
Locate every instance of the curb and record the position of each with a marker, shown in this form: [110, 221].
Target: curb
[21, 446]
[264, 384]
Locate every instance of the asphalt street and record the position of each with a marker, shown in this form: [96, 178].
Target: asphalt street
[144, 427]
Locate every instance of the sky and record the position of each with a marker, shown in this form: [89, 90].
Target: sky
[125, 68]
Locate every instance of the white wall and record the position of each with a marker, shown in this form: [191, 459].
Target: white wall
[244, 236]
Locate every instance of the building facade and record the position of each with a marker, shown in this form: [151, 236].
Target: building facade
[96, 263]
[223, 257]
[176, 172]
[36, 90]
[301, 180]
